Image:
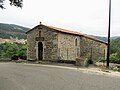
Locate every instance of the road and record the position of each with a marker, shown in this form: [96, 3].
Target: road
[31, 77]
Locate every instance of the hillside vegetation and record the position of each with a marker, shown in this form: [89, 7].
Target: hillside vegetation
[7, 30]
[101, 38]
[115, 51]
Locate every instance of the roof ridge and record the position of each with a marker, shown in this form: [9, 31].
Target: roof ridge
[76, 33]
[64, 30]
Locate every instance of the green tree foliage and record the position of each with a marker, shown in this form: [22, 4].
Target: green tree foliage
[114, 58]
[115, 51]
[8, 50]
[22, 50]
[17, 3]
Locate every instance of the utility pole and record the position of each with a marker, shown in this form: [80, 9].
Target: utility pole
[108, 48]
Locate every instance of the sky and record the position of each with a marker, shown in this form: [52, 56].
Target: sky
[86, 16]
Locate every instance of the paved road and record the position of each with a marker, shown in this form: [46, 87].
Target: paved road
[31, 77]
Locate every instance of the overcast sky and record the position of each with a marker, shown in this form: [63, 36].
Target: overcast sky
[86, 16]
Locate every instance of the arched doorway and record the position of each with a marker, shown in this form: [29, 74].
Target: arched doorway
[40, 51]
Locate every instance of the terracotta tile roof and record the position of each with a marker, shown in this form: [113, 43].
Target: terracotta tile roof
[93, 38]
[75, 33]
[70, 32]
[65, 30]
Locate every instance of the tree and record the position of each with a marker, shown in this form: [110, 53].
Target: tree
[114, 58]
[9, 50]
[22, 50]
[115, 51]
[17, 3]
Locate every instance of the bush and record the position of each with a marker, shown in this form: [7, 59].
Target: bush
[13, 51]
[114, 58]
[118, 70]
[23, 57]
[14, 57]
[87, 62]
[115, 51]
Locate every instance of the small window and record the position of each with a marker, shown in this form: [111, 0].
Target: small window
[39, 33]
[76, 42]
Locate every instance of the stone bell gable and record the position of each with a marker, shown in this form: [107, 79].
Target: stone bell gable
[52, 43]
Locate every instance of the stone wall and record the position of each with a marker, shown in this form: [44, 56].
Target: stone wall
[49, 43]
[31, 44]
[67, 48]
[92, 49]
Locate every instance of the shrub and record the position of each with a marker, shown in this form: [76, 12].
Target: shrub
[14, 57]
[114, 58]
[87, 62]
[23, 57]
[118, 70]
[13, 51]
